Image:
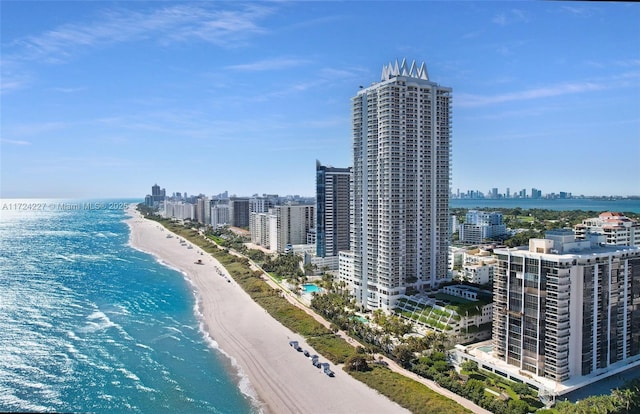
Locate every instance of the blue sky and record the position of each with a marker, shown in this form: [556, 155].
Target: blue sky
[104, 99]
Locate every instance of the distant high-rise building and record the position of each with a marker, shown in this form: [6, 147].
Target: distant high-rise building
[480, 226]
[289, 225]
[157, 194]
[258, 209]
[178, 210]
[219, 213]
[332, 209]
[239, 211]
[401, 182]
[260, 204]
[535, 193]
[203, 210]
[259, 229]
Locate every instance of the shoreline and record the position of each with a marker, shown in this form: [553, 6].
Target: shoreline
[256, 345]
[240, 378]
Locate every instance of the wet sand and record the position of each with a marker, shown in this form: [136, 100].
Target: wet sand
[284, 380]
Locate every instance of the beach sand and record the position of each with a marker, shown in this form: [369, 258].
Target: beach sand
[285, 380]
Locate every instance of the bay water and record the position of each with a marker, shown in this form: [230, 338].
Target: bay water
[598, 205]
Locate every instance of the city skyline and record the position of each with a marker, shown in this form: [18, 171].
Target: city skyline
[100, 98]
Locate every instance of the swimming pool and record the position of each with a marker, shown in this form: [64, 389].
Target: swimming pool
[361, 319]
[310, 288]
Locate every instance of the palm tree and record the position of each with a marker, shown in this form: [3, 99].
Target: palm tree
[624, 397]
[386, 343]
[429, 339]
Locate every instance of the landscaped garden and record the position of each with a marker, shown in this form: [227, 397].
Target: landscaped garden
[415, 397]
[426, 314]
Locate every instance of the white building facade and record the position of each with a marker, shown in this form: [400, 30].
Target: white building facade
[178, 210]
[480, 226]
[400, 187]
[288, 225]
[618, 229]
[259, 229]
[567, 308]
[219, 213]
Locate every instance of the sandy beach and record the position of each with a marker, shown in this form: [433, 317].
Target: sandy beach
[285, 380]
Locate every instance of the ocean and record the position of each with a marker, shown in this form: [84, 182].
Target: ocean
[89, 324]
[585, 204]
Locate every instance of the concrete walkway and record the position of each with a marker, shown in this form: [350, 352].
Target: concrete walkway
[392, 365]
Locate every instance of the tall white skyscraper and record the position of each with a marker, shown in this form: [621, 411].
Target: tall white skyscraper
[400, 189]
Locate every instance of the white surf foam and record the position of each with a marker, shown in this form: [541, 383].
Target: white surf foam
[244, 384]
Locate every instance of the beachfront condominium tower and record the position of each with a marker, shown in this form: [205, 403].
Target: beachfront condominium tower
[289, 225]
[400, 188]
[332, 209]
[565, 307]
[239, 211]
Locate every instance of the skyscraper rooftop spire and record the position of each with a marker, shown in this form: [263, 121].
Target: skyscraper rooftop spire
[391, 70]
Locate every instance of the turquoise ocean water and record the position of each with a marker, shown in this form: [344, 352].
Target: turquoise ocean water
[89, 324]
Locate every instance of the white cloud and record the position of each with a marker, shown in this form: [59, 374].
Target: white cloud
[8, 85]
[510, 17]
[579, 10]
[269, 64]
[35, 129]
[68, 90]
[167, 24]
[14, 142]
[469, 100]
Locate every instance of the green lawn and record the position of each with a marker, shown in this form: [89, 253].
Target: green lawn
[415, 397]
[408, 393]
[499, 384]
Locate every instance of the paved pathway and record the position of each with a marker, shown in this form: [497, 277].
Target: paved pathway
[391, 364]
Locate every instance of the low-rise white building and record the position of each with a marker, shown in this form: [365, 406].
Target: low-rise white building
[468, 319]
[478, 273]
[345, 270]
[309, 256]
